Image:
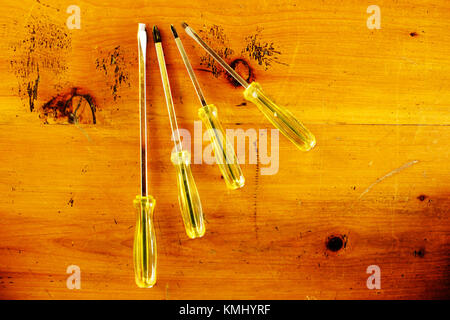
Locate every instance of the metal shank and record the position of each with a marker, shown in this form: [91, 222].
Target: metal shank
[230, 70]
[142, 47]
[168, 94]
[190, 71]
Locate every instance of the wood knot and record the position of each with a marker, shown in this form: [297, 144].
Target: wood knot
[243, 68]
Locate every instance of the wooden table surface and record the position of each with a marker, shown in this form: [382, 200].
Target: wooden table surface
[375, 188]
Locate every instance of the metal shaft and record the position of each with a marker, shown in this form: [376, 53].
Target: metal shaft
[142, 47]
[225, 65]
[167, 91]
[189, 67]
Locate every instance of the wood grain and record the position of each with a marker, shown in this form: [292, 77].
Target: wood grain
[377, 101]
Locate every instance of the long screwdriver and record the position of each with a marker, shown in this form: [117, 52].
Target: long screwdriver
[188, 197]
[225, 157]
[144, 249]
[279, 116]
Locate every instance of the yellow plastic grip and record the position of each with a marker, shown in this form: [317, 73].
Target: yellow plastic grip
[188, 197]
[281, 118]
[144, 250]
[223, 149]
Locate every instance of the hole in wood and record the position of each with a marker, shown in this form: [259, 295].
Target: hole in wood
[335, 243]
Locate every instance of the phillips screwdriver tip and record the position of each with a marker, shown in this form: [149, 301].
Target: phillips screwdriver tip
[174, 31]
[156, 34]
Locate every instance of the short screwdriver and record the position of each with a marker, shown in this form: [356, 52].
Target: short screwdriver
[225, 157]
[279, 116]
[188, 197]
[144, 249]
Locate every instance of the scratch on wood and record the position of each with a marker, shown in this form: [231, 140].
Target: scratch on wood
[83, 132]
[395, 171]
[255, 195]
[49, 293]
[167, 292]
[47, 5]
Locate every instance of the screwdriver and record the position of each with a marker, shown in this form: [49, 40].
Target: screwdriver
[279, 116]
[225, 157]
[188, 197]
[144, 249]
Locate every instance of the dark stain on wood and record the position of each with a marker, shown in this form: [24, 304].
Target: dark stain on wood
[41, 50]
[32, 89]
[114, 66]
[47, 5]
[264, 53]
[419, 253]
[422, 197]
[215, 37]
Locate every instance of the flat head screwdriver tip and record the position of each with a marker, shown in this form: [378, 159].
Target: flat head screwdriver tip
[141, 27]
[156, 34]
[184, 25]
[174, 31]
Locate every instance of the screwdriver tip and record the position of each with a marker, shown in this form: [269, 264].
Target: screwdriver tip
[141, 27]
[156, 34]
[184, 25]
[174, 31]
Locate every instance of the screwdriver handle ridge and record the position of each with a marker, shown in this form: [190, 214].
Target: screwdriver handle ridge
[223, 150]
[188, 196]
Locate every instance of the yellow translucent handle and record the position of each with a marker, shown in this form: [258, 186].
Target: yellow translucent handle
[223, 149]
[281, 118]
[144, 250]
[190, 205]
